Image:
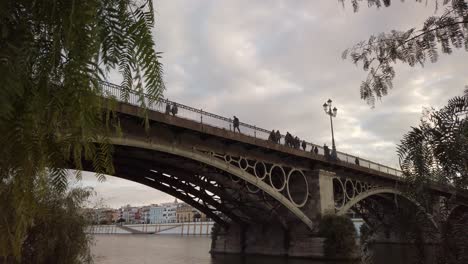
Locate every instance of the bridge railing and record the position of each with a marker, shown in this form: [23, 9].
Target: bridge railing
[199, 115]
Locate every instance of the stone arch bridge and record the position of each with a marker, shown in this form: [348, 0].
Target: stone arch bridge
[267, 197]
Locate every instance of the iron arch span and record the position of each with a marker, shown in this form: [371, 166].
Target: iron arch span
[377, 191]
[203, 181]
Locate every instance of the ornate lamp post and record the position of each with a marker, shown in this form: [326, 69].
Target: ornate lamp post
[327, 107]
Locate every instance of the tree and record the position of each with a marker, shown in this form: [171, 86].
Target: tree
[58, 234]
[437, 151]
[53, 55]
[380, 53]
[340, 236]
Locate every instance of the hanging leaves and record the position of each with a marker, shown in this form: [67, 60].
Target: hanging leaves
[53, 55]
[378, 55]
[437, 150]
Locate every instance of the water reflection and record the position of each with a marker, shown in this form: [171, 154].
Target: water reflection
[119, 249]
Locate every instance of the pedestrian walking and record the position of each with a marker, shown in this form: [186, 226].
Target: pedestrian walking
[174, 109]
[235, 124]
[272, 136]
[356, 161]
[297, 143]
[326, 151]
[304, 145]
[168, 108]
[316, 150]
[288, 139]
[278, 137]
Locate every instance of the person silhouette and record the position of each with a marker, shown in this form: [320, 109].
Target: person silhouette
[278, 136]
[326, 151]
[174, 109]
[356, 161]
[235, 124]
[316, 150]
[168, 108]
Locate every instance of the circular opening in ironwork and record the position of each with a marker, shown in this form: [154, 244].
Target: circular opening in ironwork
[260, 170]
[227, 158]
[297, 187]
[349, 186]
[338, 193]
[277, 178]
[243, 163]
[358, 187]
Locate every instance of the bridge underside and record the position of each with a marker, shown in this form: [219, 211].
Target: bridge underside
[212, 191]
[251, 221]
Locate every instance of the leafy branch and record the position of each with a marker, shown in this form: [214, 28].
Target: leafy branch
[379, 54]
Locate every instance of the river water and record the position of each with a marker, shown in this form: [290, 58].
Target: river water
[172, 249]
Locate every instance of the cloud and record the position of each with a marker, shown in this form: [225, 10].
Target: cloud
[274, 63]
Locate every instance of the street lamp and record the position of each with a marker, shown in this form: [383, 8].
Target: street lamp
[327, 107]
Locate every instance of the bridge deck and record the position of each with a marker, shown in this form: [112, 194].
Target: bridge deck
[199, 116]
[210, 124]
[131, 110]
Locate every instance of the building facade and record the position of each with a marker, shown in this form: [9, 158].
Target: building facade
[156, 214]
[170, 212]
[186, 213]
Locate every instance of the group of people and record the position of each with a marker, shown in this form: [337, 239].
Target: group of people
[290, 141]
[294, 141]
[275, 136]
[172, 109]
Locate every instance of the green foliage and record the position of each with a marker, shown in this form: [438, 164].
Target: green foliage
[52, 56]
[414, 46]
[437, 150]
[57, 234]
[340, 236]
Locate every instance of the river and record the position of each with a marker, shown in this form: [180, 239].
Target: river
[172, 249]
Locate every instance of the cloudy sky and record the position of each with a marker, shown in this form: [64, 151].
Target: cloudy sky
[274, 63]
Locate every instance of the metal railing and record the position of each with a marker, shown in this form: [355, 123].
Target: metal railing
[194, 114]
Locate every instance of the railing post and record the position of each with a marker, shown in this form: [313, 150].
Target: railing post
[201, 116]
[255, 131]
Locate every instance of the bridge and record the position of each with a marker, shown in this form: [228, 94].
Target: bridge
[268, 198]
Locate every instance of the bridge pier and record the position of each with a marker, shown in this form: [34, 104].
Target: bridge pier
[257, 240]
[271, 240]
